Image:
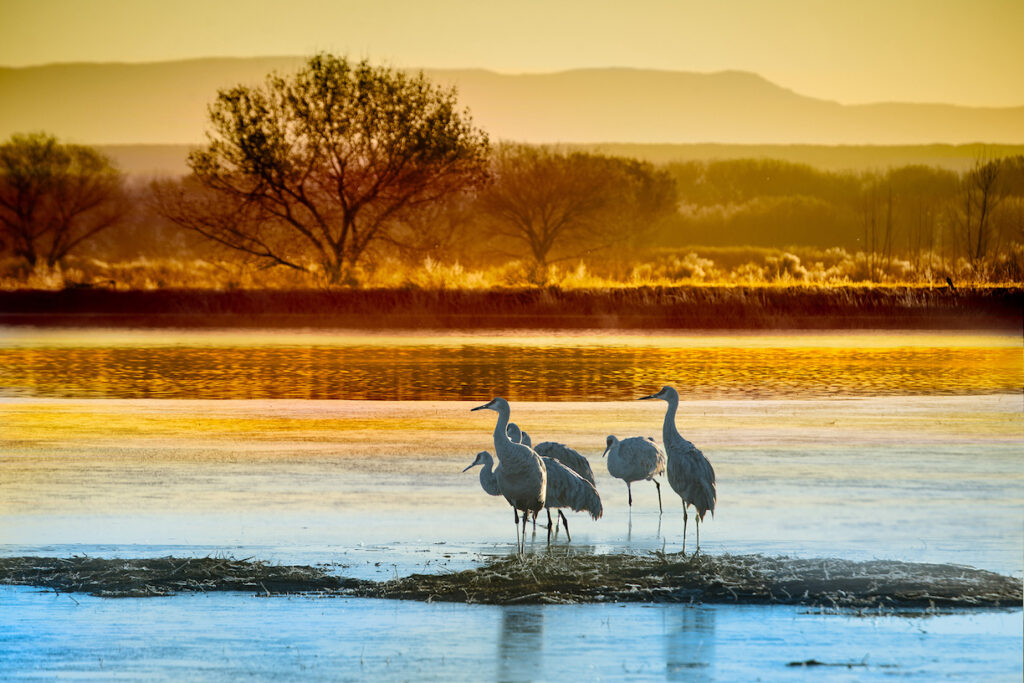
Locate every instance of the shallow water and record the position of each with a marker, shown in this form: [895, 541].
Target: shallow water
[227, 637]
[375, 489]
[917, 478]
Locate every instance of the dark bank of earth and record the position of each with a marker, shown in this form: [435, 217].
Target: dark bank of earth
[694, 307]
[552, 578]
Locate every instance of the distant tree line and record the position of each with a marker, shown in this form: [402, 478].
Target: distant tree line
[341, 165]
[916, 212]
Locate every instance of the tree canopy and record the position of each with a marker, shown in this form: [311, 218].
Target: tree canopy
[563, 205]
[315, 166]
[54, 197]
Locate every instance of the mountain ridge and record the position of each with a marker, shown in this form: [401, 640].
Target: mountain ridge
[166, 102]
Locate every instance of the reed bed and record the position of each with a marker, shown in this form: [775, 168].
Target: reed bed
[679, 307]
[554, 577]
[661, 267]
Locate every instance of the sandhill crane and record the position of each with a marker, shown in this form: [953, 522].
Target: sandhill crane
[689, 472]
[488, 482]
[520, 474]
[568, 457]
[517, 435]
[635, 459]
[567, 489]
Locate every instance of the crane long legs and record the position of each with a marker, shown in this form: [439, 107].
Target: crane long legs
[684, 528]
[554, 525]
[656, 484]
[522, 548]
[696, 521]
[565, 522]
[515, 517]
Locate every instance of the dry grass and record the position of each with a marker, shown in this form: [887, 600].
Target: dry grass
[558, 577]
[145, 578]
[736, 266]
[736, 579]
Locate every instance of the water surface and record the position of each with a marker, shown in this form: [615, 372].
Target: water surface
[229, 637]
[861, 446]
[917, 478]
[522, 366]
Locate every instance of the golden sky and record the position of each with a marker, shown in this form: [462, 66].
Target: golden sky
[853, 51]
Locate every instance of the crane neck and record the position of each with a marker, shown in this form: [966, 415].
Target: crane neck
[500, 433]
[487, 478]
[669, 433]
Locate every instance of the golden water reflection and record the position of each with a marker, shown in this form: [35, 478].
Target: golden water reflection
[190, 365]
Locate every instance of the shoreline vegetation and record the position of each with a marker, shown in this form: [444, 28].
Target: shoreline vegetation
[552, 578]
[648, 307]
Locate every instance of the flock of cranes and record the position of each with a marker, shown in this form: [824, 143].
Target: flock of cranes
[552, 475]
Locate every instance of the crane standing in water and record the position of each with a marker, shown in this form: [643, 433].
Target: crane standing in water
[567, 489]
[689, 472]
[521, 475]
[635, 459]
[570, 480]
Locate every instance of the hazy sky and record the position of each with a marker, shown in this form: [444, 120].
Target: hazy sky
[853, 51]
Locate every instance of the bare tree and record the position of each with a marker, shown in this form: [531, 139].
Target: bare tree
[316, 165]
[560, 206]
[980, 195]
[871, 200]
[228, 221]
[919, 194]
[54, 197]
[1012, 202]
[441, 231]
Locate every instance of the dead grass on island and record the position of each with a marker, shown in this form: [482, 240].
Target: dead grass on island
[143, 578]
[557, 577]
[733, 579]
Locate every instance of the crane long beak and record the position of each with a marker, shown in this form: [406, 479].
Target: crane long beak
[483, 407]
[644, 398]
[606, 451]
[471, 467]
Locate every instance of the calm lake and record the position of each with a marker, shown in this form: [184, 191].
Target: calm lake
[348, 448]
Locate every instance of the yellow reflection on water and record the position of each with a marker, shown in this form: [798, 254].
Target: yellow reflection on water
[100, 456]
[531, 366]
[26, 337]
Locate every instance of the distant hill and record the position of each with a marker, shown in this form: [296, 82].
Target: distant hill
[152, 160]
[165, 103]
